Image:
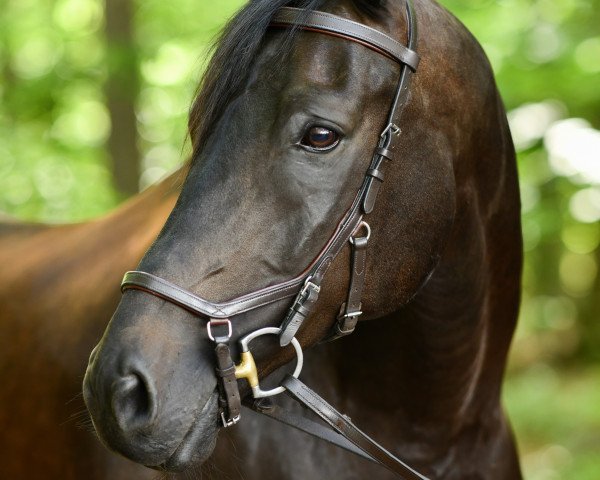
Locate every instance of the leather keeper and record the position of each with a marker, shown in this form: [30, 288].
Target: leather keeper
[370, 195]
[384, 152]
[223, 372]
[345, 326]
[290, 326]
[376, 173]
[301, 310]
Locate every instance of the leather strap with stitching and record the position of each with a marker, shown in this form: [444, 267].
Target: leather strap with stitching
[351, 308]
[229, 398]
[166, 290]
[300, 422]
[342, 424]
[324, 22]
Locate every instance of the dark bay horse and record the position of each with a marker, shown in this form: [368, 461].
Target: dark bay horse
[56, 292]
[283, 131]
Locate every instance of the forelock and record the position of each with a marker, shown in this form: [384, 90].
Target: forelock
[234, 52]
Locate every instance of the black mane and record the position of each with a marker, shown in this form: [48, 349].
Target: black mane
[234, 52]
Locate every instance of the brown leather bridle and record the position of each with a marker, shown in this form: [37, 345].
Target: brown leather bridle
[306, 286]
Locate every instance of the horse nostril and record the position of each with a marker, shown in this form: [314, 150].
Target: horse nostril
[133, 402]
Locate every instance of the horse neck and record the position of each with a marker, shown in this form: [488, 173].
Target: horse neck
[73, 272]
[433, 369]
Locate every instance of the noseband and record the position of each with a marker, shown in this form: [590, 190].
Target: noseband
[352, 229]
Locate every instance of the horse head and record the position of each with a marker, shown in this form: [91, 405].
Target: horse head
[284, 130]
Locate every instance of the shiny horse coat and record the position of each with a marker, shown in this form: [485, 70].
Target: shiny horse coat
[352, 229]
[49, 321]
[424, 368]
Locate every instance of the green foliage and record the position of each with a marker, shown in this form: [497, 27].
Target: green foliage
[53, 121]
[546, 54]
[53, 118]
[557, 421]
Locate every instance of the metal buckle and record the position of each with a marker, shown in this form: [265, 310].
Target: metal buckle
[229, 423]
[393, 128]
[308, 285]
[216, 322]
[350, 315]
[364, 225]
[247, 367]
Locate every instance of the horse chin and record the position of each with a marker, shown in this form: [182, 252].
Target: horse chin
[198, 443]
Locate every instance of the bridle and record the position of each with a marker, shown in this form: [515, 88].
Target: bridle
[305, 287]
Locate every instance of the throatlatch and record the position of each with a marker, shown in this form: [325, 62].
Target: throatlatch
[306, 287]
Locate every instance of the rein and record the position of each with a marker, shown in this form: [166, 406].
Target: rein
[307, 286]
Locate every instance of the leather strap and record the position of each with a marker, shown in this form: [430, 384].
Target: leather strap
[229, 396]
[193, 303]
[342, 424]
[266, 407]
[357, 278]
[351, 308]
[300, 309]
[389, 137]
[323, 22]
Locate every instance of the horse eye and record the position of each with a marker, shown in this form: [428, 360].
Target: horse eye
[320, 138]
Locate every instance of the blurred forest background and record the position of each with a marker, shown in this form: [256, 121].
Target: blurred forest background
[93, 104]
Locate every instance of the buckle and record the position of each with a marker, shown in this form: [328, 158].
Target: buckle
[344, 327]
[230, 422]
[217, 322]
[308, 285]
[350, 315]
[391, 128]
[361, 225]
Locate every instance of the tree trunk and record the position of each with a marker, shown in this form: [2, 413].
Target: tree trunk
[122, 88]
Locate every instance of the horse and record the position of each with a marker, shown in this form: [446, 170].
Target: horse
[49, 321]
[275, 206]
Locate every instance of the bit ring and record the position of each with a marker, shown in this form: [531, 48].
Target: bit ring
[247, 367]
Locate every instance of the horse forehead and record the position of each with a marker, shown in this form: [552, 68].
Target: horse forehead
[321, 60]
[324, 61]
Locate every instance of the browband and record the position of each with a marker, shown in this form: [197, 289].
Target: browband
[323, 22]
